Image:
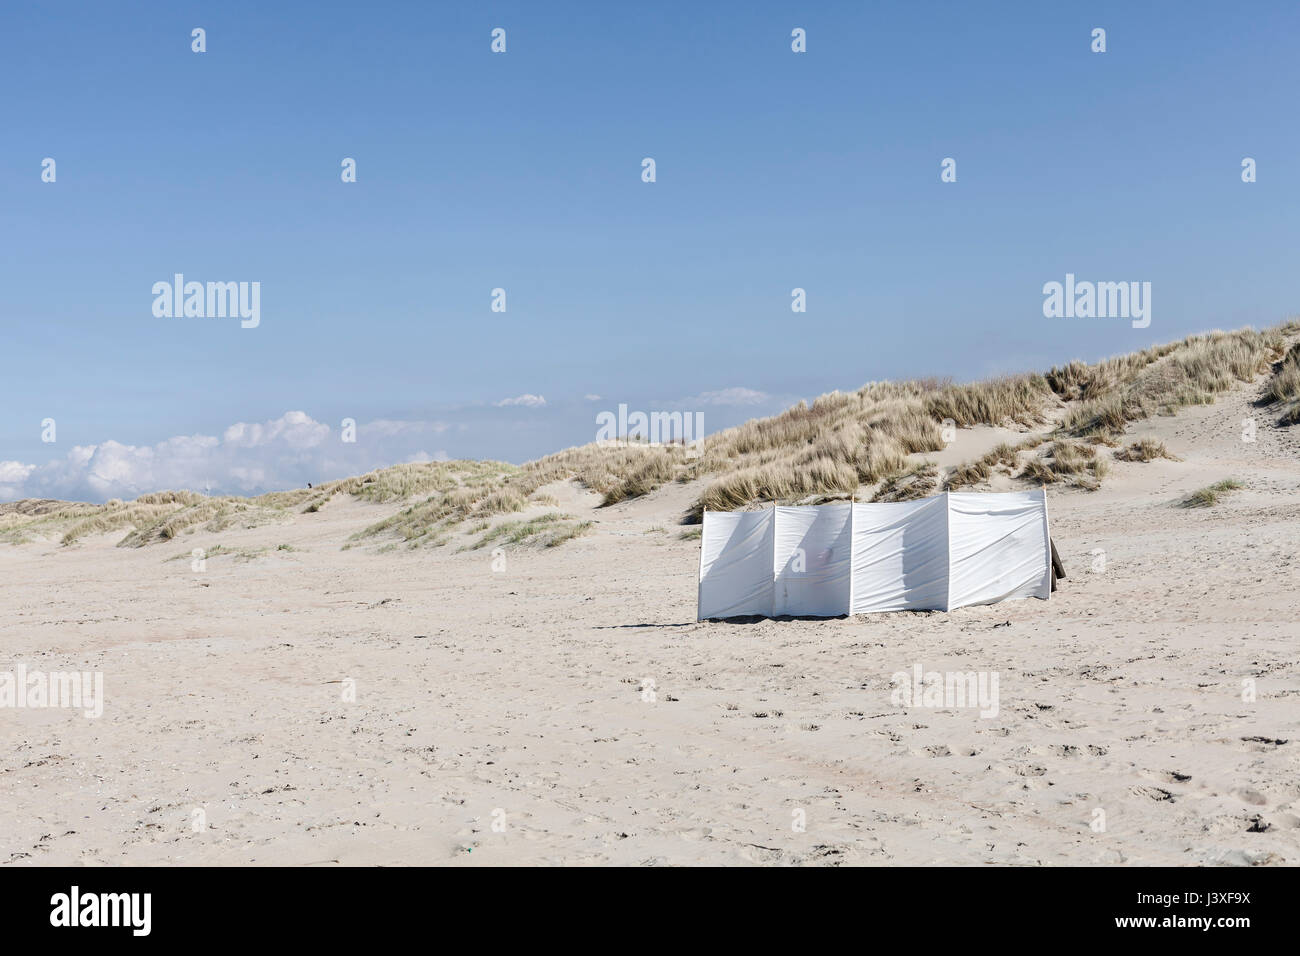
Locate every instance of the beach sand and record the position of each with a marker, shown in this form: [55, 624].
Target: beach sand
[506, 716]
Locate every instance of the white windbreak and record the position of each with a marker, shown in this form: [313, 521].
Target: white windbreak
[736, 554]
[813, 561]
[938, 553]
[900, 556]
[1000, 548]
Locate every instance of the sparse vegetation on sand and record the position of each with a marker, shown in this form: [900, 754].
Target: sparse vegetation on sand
[1210, 495]
[157, 517]
[1283, 388]
[842, 444]
[917, 482]
[1101, 400]
[845, 442]
[1004, 457]
[1161, 380]
[166, 515]
[242, 554]
[548, 530]
[1067, 461]
[1144, 449]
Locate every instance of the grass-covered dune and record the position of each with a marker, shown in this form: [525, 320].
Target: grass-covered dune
[1071, 422]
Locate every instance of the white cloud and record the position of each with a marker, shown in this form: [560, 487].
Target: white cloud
[249, 458]
[294, 428]
[13, 475]
[591, 398]
[531, 401]
[13, 471]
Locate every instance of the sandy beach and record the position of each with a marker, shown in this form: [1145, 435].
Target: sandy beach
[566, 707]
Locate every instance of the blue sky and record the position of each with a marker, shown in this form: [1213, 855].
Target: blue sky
[522, 171]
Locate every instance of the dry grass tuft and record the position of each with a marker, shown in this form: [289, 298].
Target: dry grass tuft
[1014, 400]
[1069, 462]
[548, 531]
[645, 477]
[917, 482]
[780, 482]
[1210, 495]
[1004, 457]
[1144, 449]
[968, 475]
[1284, 387]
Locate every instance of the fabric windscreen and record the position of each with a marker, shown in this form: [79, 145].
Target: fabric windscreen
[813, 561]
[1000, 547]
[940, 553]
[736, 555]
[900, 556]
